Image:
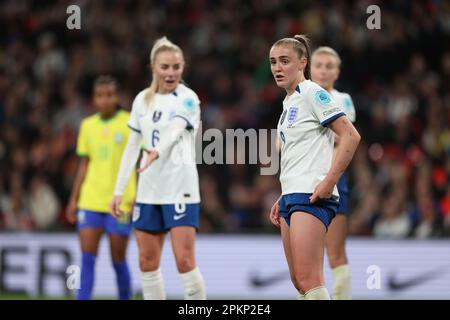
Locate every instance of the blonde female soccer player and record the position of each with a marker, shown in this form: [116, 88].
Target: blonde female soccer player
[309, 173]
[325, 68]
[101, 141]
[166, 116]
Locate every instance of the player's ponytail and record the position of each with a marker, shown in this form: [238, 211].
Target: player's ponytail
[160, 45]
[300, 43]
[306, 52]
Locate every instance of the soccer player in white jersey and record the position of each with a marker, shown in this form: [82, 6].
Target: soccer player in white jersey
[166, 116]
[309, 172]
[325, 67]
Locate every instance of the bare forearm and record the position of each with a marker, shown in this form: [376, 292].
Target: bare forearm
[128, 162]
[81, 173]
[343, 155]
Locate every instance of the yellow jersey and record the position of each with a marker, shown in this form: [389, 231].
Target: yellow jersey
[103, 142]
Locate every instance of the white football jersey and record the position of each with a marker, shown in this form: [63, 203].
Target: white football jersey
[345, 101]
[307, 151]
[173, 177]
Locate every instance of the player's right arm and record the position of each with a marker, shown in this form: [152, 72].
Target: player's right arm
[83, 153]
[71, 210]
[129, 157]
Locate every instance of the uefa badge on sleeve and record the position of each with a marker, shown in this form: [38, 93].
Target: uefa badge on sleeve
[322, 97]
[189, 104]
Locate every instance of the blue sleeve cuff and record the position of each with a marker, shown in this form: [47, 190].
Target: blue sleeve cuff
[189, 124]
[329, 120]
[134, 129]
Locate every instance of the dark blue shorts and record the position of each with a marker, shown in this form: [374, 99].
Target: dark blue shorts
[324, 209]
[343, 195]
[104, 220]
[343, 204]
[162, 217]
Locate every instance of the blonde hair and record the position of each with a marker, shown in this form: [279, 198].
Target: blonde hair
[160, 45]
[331, 52]
[300, 43]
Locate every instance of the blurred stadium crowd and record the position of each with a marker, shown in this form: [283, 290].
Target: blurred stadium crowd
[399, 78]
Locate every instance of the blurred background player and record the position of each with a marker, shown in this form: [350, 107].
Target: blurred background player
[101, 141]
[166, 116]
[325, 67]
[309, 172]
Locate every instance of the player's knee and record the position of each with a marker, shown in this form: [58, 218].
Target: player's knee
[185, 262]
[294, 281]
[148, 263]
[337, 257]
[306, 280]
[118, 256]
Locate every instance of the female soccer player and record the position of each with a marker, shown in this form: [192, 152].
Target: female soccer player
[166, 116]
[101, 141]
[309, 173]
[325, 67]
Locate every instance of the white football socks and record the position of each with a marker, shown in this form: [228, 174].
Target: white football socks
[342, 283]
[194, 287]
[153, 285]
[319, 293]
[300, 296]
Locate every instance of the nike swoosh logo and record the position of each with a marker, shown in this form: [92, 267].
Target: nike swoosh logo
[259, 282]
[178, 217]
[393, 283]
[191, 293]
[397, 285]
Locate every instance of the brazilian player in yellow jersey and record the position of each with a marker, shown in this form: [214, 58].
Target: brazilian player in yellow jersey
[101, 140]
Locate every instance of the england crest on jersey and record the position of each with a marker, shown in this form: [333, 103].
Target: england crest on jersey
[292, 115]
[157, 115]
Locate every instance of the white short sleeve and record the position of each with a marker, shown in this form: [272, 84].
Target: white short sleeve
[349, 108]
[136, 109]
[189, 110]
[324, 107]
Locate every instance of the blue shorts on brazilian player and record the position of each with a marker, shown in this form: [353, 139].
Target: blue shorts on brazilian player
[111, 225]
[323, 209]
[162, 217]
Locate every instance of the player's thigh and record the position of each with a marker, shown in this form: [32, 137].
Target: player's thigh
[183, 246]
[307, 241]
[285, 236]
[90, 225]
[90, 239]
[336, 235]
[183, 240]
[150, 244]
[118, 246]
[118, 230]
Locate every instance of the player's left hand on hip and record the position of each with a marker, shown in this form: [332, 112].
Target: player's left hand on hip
[152, 155]
[323, 190]
[275, 214]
